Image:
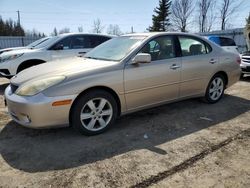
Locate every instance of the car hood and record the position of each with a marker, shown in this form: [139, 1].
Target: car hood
[19, 51]
[69, 67]
[10, 49]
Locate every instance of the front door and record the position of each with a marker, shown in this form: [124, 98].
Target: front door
[70, 46]
[155, 82]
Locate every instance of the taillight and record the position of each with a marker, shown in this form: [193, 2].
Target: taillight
[238, 60]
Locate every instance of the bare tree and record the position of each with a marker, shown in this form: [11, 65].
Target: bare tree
[114, 30]
[55, 33]
[181, 12]
[204, 7]
[64, 30]
[227, 9]
[97, 26]
[80, 29]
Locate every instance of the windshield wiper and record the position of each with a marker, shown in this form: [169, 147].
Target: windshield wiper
[90, 57]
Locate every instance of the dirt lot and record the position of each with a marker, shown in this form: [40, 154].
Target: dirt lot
[185, 144]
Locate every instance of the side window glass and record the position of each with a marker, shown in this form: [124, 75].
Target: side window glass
[94, 41]
[102, 39]
[191, 46]
[77, 42]
[227, 42]
[64, 44]
[160, 48]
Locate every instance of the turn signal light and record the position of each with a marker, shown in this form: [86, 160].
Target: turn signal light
[63, 102]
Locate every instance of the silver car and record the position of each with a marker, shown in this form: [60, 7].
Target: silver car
[123, 75]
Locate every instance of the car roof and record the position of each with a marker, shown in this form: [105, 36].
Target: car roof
[92, 34]
[149, 34]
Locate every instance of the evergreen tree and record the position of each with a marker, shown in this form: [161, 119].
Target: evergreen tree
[161, 18]
[10, 28]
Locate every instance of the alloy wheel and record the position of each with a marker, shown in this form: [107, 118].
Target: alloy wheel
[96, 114]
[216, 88]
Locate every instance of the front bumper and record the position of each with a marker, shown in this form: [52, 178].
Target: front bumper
[5, 70]
[37, 111]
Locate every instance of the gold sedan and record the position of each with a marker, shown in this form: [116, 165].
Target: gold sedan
[123, 75]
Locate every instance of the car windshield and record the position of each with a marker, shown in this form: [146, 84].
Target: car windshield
[115, 49]
[37, 42]
[50, 41]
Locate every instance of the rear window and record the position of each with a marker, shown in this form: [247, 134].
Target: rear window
[227, 41]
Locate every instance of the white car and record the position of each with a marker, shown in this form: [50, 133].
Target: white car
[62, 46]
[31, 45]
[245, 63]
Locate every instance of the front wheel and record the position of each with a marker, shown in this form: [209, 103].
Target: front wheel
[94, 112]
[215, 89]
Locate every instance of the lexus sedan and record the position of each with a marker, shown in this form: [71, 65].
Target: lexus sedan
[123, 75]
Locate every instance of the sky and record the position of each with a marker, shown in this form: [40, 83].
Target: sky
[44, 15]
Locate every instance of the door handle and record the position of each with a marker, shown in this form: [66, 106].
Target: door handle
[174, 66]
[212, 61]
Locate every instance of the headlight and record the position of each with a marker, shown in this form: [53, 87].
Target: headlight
[34, 87]
[4, 58]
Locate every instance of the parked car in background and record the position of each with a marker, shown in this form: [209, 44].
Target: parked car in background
[123, 75]
[31, 45]
[245, 63]
[61, 46]
[225, 42]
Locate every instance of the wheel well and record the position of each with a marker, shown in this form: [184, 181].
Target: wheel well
[29, 63]
[107, 89]
[224, 75]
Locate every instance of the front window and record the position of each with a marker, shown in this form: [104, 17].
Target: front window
[115, 49]
[160, 48]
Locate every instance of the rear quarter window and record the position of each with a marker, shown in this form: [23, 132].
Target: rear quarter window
[227, 41]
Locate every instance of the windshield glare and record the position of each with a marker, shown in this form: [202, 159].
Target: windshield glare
[115, 49]
[47, 42]
[37, 42]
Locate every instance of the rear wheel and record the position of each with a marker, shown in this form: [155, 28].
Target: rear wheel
[215, 89]
[94, 112]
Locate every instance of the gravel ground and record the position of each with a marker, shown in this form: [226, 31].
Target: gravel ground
[184, 144]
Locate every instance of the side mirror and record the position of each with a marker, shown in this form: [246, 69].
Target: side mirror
[58, 47]
[141, 58]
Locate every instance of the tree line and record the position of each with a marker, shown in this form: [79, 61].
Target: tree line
[13, 28]
[10, 28]
[169, 15]
[178, 14]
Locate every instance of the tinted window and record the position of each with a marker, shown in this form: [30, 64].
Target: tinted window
[191, 46]
[97, 40]
[77, 42]
[227, 41]
[64, 42]
[160, 48]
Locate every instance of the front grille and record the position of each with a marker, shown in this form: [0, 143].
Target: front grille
[13, 88]
[245, 69]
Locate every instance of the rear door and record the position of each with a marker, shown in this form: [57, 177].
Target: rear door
[199, 62]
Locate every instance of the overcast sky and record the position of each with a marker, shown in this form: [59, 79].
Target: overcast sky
[44, 15]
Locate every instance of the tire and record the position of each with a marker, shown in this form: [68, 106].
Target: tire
[215, 89]
[94, 112]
